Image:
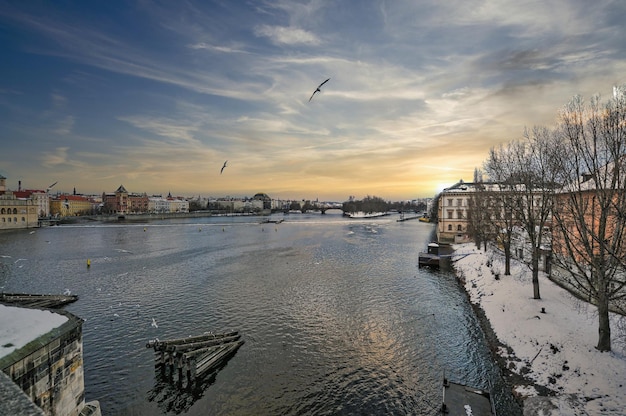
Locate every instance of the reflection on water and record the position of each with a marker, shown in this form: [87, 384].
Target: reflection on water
[172, 396]
[336, 316]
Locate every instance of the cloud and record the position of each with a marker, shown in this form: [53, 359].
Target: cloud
[64, 126]
[281, 35]
[224, 49]
[58, 157]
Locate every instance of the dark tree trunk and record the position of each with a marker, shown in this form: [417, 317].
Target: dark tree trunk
[535, 262]
[604, 327]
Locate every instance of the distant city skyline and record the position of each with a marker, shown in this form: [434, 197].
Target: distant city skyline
[157, 95]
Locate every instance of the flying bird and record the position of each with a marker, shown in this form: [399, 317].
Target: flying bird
[222, 170]
[50, 187]
[318, 89]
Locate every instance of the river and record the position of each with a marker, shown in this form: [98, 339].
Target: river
[336, 316]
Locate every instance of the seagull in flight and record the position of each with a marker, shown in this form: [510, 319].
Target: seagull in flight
[222, 170]
[318, 89]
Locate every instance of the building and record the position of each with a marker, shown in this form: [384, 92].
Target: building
[237, 205]
[591, 217]
[459, 202]
[265, 199]
[40, 198]
[170, 204]
[121, 202]
[453, 212]
[70, 205]
[16, 212]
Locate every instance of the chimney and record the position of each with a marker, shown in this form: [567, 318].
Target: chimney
[19, 185]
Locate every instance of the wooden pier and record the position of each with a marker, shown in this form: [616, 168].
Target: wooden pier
[37, 301]
[192, 357]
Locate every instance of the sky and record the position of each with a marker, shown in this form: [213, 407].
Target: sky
[157, 95]
[555, 349]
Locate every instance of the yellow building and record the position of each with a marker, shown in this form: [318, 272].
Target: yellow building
[70, 205]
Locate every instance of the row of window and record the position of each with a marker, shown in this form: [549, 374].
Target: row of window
[458, 227]
[8, 211]
[459, 214]
[459, 202]
[8, 219]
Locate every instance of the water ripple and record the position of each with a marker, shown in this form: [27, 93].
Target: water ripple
[336, 316]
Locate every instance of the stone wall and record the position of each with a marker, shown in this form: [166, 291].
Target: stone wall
[50, 369]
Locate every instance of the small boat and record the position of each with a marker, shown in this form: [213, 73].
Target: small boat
[431, 257]
[462, 400]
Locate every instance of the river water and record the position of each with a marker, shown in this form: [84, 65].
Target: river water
[336, 316]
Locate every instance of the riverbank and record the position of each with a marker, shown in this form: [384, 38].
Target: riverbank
[548, 358]
[143, 218]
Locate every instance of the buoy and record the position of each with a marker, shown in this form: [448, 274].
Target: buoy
[88, 263]
[144, 229]
[222, 229]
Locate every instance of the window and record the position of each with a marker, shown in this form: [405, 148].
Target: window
[450, 202]
[459, 202]
[450, 214]
[449, 227]
[459, 227]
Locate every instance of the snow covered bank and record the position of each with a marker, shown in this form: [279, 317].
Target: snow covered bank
[555, 349]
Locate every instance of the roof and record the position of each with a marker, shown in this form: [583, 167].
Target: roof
[121, 189]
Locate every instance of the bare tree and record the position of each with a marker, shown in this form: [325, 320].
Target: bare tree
[501, 200]
[590, 220]
[478, 212]
[522, 169]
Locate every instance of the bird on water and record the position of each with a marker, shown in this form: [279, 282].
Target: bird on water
[222, 170]
[318, 89]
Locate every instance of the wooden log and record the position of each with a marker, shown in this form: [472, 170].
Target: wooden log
[179, 348]
[216, 359]
[197, 354]
[210, 360]
[182, 341]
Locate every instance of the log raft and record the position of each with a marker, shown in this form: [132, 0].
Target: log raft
[192, 357]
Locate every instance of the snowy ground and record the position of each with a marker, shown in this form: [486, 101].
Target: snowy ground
[19, 326]
[555, 349]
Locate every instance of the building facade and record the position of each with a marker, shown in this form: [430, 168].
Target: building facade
[160, 205]
[18, 209]
[71, 205]
[121, 202]
[453, 212]
[17, 212]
